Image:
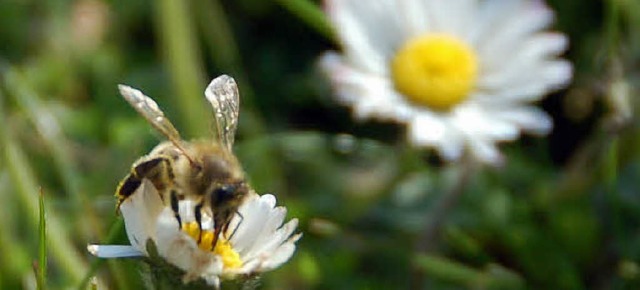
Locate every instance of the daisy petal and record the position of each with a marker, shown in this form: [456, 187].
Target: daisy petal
[530, 119]
[368, 41]
[453, 16]
[114, 251]
[516, 20]
[280, 256]
[140, 212]
[182, 251]
[485, 151]
[536, 50]
[276, 239]
[382, 102]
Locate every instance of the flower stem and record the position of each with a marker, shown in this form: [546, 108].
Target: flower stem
[311, 14]
[430, 235]
[24, 180]
[114, 231]
[184, 63]
[41, 269]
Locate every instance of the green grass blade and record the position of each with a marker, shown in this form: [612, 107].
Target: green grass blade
[116, 227]
[14, 256]
[50, 131]
[493, 276]
[184, 65]
[310, 14]
[24, 181]
[41, 272]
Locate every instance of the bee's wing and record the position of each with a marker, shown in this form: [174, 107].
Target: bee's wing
[223, 95]
[148, 108]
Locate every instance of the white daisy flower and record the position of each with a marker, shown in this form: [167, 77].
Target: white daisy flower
[460, 73]
[258, 240]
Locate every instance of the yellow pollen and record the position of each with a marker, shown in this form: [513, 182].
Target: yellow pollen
[206, 240]
[230, 258]
[435, 70]
[192, 229]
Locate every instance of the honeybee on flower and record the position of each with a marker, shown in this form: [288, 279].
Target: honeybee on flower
[191, 201]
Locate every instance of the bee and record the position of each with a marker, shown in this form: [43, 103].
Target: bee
[205, 171]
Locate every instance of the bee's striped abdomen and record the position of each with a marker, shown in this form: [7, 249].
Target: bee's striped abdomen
[157, 170]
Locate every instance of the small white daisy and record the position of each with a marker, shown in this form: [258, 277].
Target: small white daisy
[460, 73]
[258, 240]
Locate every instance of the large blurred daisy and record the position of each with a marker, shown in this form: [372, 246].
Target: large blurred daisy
[257, 241]
[460, 73]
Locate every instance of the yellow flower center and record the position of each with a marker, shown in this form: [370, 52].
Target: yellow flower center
[223, 248]
[435, 70]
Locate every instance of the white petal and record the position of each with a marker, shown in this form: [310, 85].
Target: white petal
[453, 16]
[140, 212]
[485, 151]
[254, 214]
[279, 257]
[453, 147]
[213, 281]
[490, 14]
[427, 129]
[272, 242]
[530, 54]
[416, 19]
[186, 210]
[530, 119]
[370, 33]
[182, 251]
[114, 251]
[475, 121]
[434, 130]
[530, 84]
[269, 200]
[272, 223]
[507, 22]
[371, 96]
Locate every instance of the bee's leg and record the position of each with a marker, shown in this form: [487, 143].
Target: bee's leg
[220, 221]
[126, 188]
[216, 232]
[198, 216]
[237, 226]
[158, 170]
[175, 207]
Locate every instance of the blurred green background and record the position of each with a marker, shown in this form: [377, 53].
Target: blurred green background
[563, 213]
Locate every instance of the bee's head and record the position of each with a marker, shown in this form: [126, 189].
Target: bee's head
[228, 193]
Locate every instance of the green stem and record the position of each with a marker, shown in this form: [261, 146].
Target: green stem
[114, 231]
[50, 130]
[612, 26]
[311, 14]
[14, 255]
[42, 260]
[224, 51]
[493, 276]
[24, 181]
[430, 235]
[610, 176]
[184, 65]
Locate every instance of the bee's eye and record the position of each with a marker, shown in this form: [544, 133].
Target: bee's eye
[223, 193]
